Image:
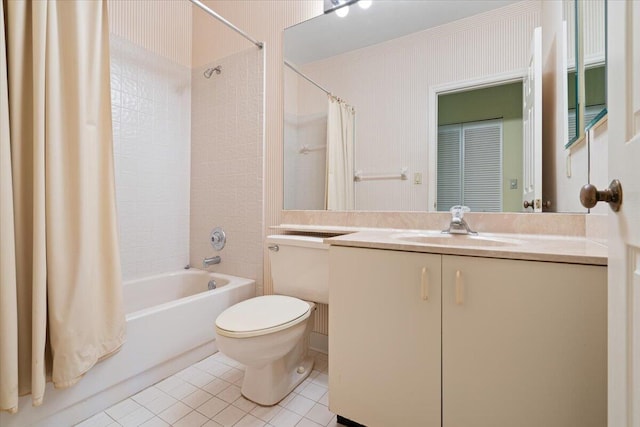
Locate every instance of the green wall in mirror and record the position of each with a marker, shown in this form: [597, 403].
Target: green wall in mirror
[505, 102]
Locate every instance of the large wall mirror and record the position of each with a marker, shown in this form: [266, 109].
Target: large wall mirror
[413, 106]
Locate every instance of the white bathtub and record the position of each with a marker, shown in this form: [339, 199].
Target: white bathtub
[170, 325]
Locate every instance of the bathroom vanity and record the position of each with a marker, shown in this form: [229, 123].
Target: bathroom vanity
[499, 332]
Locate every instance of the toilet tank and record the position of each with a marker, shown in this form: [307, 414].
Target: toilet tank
[300, 267]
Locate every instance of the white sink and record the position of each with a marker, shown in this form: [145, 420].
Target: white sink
[443, 239]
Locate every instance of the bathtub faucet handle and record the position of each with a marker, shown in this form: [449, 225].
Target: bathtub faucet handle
[218, 238]
[211, 261]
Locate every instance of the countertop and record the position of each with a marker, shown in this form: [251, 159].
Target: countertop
[550, 248]
[321, 229]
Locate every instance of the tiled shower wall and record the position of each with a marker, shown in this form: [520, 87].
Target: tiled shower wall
[226, 163]
[304, 128]
[151, 102]
[306, 169]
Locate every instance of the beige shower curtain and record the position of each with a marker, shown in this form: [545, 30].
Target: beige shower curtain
[339, 189]
[60, 283]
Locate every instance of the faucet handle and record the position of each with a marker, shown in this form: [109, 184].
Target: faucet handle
[218, 238]
[459, 211]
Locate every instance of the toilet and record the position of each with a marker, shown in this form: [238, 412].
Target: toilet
[270, 334]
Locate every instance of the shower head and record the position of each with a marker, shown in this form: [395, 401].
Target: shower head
[209, 71]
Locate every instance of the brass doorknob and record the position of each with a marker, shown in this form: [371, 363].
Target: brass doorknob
[590, 195]
[531, 204]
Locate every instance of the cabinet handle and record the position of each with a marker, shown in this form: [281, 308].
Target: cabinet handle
[459, 288]
[424, 284]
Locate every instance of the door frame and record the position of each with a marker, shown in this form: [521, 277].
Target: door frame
[435, 91]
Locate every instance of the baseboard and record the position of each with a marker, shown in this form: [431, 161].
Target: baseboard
[319, 342]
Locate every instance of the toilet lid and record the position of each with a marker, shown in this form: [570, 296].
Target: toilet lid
[260, 313]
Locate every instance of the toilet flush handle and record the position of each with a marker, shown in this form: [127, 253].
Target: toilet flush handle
[274, 248]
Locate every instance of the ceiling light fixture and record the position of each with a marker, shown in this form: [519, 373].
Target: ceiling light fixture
[340, 7]
[343, 11]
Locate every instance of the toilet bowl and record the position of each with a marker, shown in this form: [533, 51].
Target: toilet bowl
[270, 334]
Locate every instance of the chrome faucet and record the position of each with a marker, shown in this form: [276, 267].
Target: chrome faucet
[458, 225]
[211, 261]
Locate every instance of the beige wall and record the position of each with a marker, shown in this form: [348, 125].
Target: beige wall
[162, 27]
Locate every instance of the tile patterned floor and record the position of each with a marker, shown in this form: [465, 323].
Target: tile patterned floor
[208, 394]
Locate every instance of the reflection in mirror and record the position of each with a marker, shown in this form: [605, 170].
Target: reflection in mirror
[305, 141]
[595, 98]
[586, 71]
[569, 28]
[480, 149]
[390, 62]
[594, 36]
[587, 83]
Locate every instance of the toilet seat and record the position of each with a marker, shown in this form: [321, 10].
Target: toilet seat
[261, 316]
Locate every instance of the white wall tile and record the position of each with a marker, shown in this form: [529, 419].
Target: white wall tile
[151, 99]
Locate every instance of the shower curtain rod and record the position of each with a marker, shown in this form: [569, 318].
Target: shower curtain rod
[227, 23]
[288, 64]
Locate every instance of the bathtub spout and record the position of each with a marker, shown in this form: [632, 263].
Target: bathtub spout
[211, 261]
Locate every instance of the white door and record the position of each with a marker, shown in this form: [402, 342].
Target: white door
[624, 226]
[532, 124]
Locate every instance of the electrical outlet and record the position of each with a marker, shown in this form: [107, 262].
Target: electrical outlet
[417, 178]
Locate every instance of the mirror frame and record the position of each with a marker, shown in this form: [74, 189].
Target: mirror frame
[580, 79]
[604, 111]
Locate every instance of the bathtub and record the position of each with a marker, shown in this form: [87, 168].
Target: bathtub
[170, 325]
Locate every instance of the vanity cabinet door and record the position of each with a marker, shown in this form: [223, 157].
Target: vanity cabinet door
[384, 337]
[523, 343]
